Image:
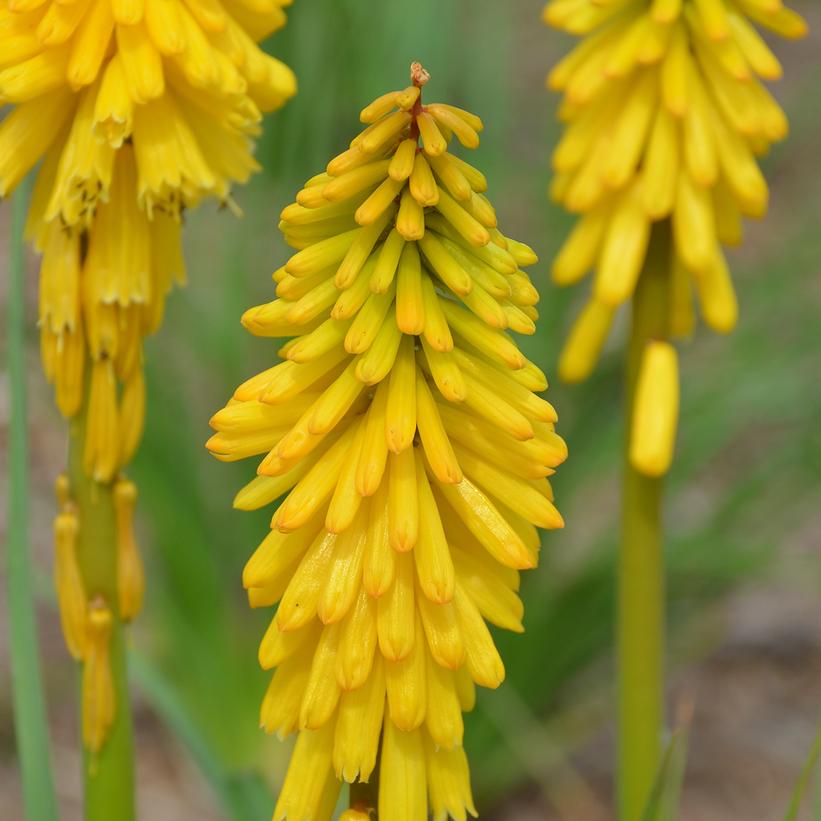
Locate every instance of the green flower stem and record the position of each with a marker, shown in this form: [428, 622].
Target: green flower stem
[30, 725]
[641, 614]
[109, 775]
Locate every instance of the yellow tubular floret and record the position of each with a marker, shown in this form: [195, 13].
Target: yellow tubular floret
[405, 436]
[655, 410]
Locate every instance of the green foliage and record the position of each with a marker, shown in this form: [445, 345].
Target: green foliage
[30, 722]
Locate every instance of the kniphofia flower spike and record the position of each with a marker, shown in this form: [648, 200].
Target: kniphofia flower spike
[135, 110]
[665, 113]
[404, 430]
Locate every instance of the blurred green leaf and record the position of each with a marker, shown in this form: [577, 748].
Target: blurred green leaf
[665, 796]
[243, 795]
[30, 719]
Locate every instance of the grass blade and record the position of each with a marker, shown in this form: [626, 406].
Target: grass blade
[666, 794]
[804, 779]
[29, 704]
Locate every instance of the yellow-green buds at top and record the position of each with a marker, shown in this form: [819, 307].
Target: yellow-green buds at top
[665, 112]
[655, 410]
[404, 430]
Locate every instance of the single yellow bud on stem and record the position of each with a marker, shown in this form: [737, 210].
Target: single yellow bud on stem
[130, 573]
[68, 582]
[98, 684]
[655, 410]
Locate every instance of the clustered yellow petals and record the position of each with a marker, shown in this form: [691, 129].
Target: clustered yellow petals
[404, 431]
[135, 110]
[665, 112]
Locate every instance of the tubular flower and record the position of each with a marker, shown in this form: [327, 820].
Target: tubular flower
[665, 114]
[135, 112]
[405, 434]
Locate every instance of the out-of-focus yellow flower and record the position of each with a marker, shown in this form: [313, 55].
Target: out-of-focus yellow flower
[665, 113]
[138, 110]
[135, 110]
[406, 435]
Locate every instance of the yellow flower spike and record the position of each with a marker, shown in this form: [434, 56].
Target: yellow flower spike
[98, 697]
[655, 412]
[130, 573]
[135, 111]
[404, 433]
[68, 580]
[665, 112]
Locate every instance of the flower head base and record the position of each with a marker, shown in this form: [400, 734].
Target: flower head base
[413, 453]
[665, 114]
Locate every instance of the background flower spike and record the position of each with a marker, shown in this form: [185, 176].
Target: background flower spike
[133, 112]
[665, 113]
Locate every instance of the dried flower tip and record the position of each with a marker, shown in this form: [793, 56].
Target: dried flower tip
[419, 76]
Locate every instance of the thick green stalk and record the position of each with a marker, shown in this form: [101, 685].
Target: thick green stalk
[641, 613]
[108, 776]
[30, 725]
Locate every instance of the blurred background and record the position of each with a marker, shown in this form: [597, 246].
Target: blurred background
[744, 508]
